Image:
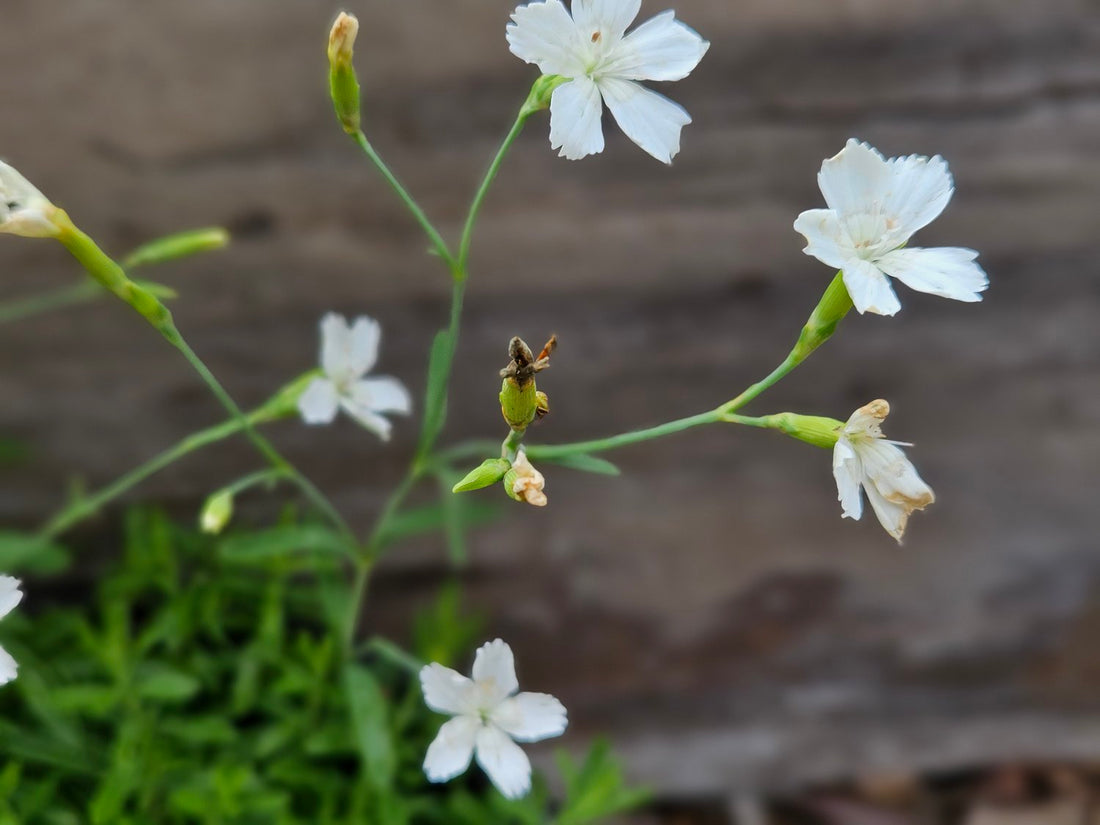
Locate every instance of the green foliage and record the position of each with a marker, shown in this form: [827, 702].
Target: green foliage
[201, 682]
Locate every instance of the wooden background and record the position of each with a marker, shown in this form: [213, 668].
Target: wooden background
[709, 610]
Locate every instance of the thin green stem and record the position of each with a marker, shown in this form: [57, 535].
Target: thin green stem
[483, 190]
[253, 480]
[773, 378]
[355, 603]
[600, 445]
[440, 245]
[86, 507]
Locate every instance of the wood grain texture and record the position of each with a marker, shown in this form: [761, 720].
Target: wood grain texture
[709, 609]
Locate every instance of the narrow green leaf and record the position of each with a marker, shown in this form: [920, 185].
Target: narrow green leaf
[370, 720]
[578, 461]
[179, 245]
[454, 527]
[157, 682]
[435, 397]
[26, 552]
[282, 541]
[432, 518]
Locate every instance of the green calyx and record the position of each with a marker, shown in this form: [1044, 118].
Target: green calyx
[816, 430]
[490, 472]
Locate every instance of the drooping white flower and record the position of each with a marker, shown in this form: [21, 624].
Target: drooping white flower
[528, 482]
[591, 48]
[863, 458]
[489, 717]
[875, 206]
[347, 354]
[23, 209]
[10, 596]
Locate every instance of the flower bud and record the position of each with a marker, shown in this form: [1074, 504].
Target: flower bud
[816, 430]
[524, 483]
[490, 472]
[23, 209]
[285, 402]
[216, 512]
[343, 83]
[519, 403]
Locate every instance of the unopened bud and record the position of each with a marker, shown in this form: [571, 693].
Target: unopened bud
[343, 83]
[216, 512]
[490, 472]
[830, 311]
[180, 245]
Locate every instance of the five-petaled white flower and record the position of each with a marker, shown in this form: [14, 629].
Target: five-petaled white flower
[592, 49]
[23, 209]
[875, 206]
[489, 718]
[863, 457]
[10, 596]
[347, 354]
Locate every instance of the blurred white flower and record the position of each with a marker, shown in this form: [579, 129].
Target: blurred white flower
[863, 457]
[489, 718]
[875, 206]
[347, 354]
[591, 48]
[23, 209]
[528, 482]
[10, 596]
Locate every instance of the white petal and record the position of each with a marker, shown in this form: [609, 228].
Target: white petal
[494, 672]
[854, 178]
[649, 119]
[892, 474]
[869, 288]
[660, 49]
[608, 17]
[575, 111]
[892, 516]
[446, 690]
[377, 424]
[826, 239]
[531, 717]
[10, 594]
[848, 472]
[319, 403]
[504, 761]
[8, 667]
[544, 34]
[347, 352]
[919, 191]
[381, 395]
[949, 272]
[450, 752]
[23, 209]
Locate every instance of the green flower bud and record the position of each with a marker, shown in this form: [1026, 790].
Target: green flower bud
[285, 402]
[343, 84]
[541, 93]
[490, 472]
[821, 432]
[216, 512]
[180, 245]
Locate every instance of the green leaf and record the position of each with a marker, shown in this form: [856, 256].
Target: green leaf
[579, 461]
[454, 528]
[26, 552]
[179, 245]
[158, 682]
[435, 397]
[595, 790]
[282, 541]
[370, 720]
[433, 517]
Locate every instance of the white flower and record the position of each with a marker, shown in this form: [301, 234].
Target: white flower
[875, 206]
[10, 596]
[862, 456]
[23, 209]
[347, 354]
[489, 718]
[592, 49]
[528, 482]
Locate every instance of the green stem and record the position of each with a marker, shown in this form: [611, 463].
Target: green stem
[510, 447]
[355, 603]
[600, 445]
[483, 190]
[252, 480]
[86, 507]
[429, 229]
